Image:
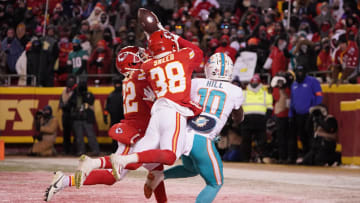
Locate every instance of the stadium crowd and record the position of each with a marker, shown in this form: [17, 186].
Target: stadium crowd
[82, 37]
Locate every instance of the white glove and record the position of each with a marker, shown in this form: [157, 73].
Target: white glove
[149, 94]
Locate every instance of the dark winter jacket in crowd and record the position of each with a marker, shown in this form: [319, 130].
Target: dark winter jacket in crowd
[13, 50]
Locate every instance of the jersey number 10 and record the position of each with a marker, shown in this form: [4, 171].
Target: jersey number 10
[209, 104]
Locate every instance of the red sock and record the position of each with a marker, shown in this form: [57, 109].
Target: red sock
[157, 156]
[100, 177]
[160, 193]
[105, 162]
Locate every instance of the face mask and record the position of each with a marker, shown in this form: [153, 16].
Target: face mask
[76, 47]
[254, 85]
[300, 76]
[70, 83]
[117, 88]
[100, 49]
[223, 44]
[303, 48]
[323, 13]
[107, 38]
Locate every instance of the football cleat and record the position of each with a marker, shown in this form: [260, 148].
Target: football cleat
[153, 180]
[118, 165]
[55, 186]
[85, 167]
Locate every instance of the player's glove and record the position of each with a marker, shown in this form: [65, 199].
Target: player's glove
[149, 94]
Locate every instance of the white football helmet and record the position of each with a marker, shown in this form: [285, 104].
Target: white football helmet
[219, 67]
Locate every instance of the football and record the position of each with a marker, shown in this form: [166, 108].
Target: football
[148, 20]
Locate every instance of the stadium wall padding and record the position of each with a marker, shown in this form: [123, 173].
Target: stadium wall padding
[19, 104]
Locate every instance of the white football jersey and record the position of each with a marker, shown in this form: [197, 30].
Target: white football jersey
[218, 99]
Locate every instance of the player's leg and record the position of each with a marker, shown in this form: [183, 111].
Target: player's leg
[87, 164]
[187, 169]
[210, 167]
[151, 142]
[155, 182]
[61, 181]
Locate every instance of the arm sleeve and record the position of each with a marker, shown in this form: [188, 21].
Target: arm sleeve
[317, 91]
[198, 57]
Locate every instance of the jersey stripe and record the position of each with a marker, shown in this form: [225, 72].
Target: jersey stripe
[214, 162]
[222, 64]
[176, 133]
[126, 150]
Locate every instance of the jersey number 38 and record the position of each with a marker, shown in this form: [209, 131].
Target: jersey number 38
[172, 79]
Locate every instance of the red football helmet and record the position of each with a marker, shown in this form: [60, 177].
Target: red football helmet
[161, 43]
[130, 58]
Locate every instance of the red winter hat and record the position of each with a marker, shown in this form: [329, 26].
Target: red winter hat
[225, 37]
[99, 5]
[82, 37]
[255, 79]
[214, 43]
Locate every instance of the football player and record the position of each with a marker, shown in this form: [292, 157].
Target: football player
[219, 99]
[127, 132]
[169, 74]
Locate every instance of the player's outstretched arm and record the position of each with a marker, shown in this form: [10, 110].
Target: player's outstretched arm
[198, 58]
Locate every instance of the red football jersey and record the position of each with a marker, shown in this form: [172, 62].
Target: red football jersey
[136, 110]
[170, 76]
[349, 58]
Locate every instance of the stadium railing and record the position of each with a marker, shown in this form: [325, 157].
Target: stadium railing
[11, 79]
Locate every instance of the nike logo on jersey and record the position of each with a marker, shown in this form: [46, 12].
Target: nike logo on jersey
[212, 83]
[169, 57]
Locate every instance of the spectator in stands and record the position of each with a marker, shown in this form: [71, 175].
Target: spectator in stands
[3, 65]
[278, 58]
[49, 53]
[258, 105]
[67, 121]
[65, 47]
[324, 60]
[114, 107]
[46, 126]
[33, 61]
[95, 17]
[81, 105]
[78, 59]
[346, 58]
[305, 55]
[305, 93]
[21, 65]
[100, 60]
[225, 47]
[325, 135]
[325, 15]
[12, 48]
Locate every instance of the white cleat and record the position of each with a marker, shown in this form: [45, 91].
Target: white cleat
[153, 180]
[118, 165]
[86, 165]
[56, 185]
